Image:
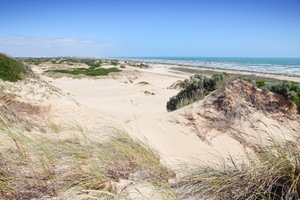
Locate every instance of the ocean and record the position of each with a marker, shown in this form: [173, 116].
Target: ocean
[287, 66]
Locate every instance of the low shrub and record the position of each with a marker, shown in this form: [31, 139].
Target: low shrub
[195, 88]
[260, 83]
[288, 89]
[92, 71]
[92, 63]
[11, 69]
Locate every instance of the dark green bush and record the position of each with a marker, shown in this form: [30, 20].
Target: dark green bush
[288, 89]
[260, 83]
[11, 69]
[195, 88]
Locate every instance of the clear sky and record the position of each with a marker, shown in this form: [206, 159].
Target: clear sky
[122, 28]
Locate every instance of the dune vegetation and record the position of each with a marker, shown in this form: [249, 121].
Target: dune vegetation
[194, 89]
[72, 162]
[288, 89]
[270, 169]
[198, 86]
[35, 166]
[91, 71]
[94, 65]
[11, 69]
[271, 172]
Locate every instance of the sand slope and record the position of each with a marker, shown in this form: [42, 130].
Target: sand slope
[135, 101]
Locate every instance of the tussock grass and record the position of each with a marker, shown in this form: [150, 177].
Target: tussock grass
[43, 165]
[272, 172]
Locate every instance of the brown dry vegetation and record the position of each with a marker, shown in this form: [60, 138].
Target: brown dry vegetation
[39, 166]
[239, 94]
[14, 113]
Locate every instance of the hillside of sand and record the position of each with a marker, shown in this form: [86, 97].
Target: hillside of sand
[135, 100]
[66, 111]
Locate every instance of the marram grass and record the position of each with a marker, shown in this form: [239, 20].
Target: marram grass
[43, 165]
[272, 172]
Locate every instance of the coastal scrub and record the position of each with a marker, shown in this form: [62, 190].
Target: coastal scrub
[194, 89]
[11, 69]
[91, 71]
[288, 89]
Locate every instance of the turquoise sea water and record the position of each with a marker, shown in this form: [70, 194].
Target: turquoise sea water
[288, 66]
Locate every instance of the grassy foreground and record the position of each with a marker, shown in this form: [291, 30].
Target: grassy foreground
[47, 165]
[272, 172]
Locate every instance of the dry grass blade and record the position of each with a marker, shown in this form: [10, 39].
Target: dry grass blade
[35, 166]
[271, 173]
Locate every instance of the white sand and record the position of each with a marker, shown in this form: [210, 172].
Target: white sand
[121, 101]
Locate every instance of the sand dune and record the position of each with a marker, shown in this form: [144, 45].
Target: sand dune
[135, 101]
[74, 113]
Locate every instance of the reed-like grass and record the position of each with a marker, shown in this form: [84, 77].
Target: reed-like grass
[271, 172]
[46, 165]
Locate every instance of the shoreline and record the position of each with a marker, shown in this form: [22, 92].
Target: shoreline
[203, 66]
[211, 70]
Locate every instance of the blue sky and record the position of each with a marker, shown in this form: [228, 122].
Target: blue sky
[132, 28]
